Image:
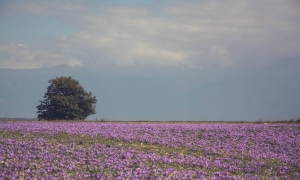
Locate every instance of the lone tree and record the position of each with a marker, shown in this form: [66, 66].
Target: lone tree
[65, 99]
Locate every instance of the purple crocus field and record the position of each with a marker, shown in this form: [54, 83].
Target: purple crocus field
[94, 150]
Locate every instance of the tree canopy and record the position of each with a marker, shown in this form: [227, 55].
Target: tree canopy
[65, 99]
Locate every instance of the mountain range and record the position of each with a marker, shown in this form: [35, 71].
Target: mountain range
[204, 96]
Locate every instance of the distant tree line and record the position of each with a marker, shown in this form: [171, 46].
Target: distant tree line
[17, 119]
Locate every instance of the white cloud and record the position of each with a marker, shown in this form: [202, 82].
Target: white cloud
[189, 34]
[122, 50]
[20, 56]
[178, 33]
[45, 7]
[220, 55]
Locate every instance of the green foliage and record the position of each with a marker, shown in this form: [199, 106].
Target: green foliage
[65, 99]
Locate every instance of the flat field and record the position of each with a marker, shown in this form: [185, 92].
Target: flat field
[111, 150]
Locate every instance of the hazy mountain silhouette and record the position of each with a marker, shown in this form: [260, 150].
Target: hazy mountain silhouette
[159, 97]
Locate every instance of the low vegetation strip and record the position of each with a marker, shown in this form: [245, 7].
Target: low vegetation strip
[91, 150]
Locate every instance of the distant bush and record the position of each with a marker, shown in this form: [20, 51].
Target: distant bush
[102, 120]
[260, 121]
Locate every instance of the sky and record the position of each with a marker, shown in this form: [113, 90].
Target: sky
[191, 34]
[208, 40]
